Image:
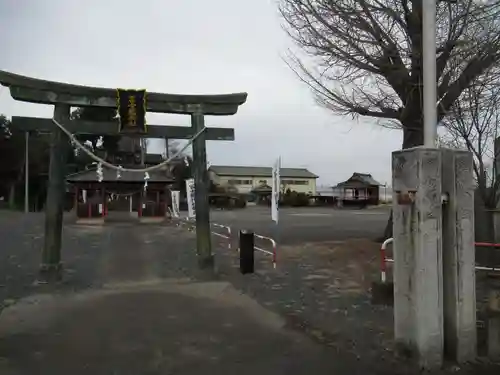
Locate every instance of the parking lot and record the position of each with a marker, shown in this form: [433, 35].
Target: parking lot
[307, 224]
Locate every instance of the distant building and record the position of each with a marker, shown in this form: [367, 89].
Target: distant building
[246, 179]
[324, 190]
[360, 187]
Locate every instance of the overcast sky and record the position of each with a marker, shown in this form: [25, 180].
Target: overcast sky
[193, 46]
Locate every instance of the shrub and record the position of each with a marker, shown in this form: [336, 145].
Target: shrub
[241, 202]
[289, 198]
[299, 199]
[294, 199]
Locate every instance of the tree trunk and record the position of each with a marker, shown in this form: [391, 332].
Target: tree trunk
[483, 219]
[12, 195]
[412, 136]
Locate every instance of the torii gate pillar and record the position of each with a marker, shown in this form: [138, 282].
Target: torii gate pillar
[51, 266]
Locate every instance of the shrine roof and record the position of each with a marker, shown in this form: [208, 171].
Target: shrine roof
[358, 180]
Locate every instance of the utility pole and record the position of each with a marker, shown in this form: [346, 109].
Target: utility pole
[26, 172]
[429, 72]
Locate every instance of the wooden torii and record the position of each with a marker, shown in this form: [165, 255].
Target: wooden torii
[63, 96]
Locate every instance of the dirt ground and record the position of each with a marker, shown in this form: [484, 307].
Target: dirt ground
[318, 291]
[329, 299]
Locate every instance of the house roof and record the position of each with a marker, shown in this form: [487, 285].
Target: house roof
[359, 180]
[239, 171]
[90, 175]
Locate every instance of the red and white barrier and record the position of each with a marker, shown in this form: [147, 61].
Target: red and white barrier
[271, 252]
[226, 235]
[488, 244]
[385, 259]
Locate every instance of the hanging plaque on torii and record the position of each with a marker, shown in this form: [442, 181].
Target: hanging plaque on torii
[132, 107]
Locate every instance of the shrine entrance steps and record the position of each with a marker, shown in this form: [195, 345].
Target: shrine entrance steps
[121, 217]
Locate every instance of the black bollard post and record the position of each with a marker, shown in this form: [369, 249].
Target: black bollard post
[246, 252]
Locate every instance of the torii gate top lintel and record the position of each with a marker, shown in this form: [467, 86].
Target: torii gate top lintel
[40, 91]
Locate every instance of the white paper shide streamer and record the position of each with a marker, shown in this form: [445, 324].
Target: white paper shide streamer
[100, 175]
[119, 172]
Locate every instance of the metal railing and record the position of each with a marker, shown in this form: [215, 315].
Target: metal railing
[384, 259]
[226, 235]
[488, 244]
[271, 252]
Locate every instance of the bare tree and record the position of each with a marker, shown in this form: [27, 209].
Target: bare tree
[364, 57]
[473, 124]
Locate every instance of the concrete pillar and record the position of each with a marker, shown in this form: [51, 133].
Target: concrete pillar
[496, 170]
[459, 276]
[418, 284]
[494, 323]
[434, 254]
[496, 157]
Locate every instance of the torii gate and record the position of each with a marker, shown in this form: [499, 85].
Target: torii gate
[63, 96]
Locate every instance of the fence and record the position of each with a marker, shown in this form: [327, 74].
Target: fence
[271, 252]
[490, 245]
[225, 232]
[226, 235]
[385, 259]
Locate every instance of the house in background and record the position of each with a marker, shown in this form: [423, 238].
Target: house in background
[360, 187]
[246, 179]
